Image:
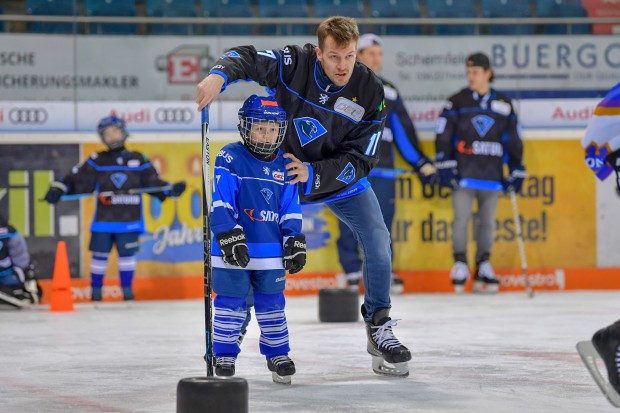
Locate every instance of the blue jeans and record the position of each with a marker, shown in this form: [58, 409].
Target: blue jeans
[348, 252]
[362, 214]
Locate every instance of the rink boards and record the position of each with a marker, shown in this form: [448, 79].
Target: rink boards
[568, 219]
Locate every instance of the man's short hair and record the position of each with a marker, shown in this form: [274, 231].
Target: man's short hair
[342, 29]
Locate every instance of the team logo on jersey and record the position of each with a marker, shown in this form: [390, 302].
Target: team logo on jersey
[482, 124]
[263, 216]
[323, 98]
[278, 175]
[266, 170]
[308, 129]
[266, 194]
[118, 179]
[232, 53]
[347, 174]
[350, 109]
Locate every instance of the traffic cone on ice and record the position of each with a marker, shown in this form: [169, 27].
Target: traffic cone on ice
[62, 299]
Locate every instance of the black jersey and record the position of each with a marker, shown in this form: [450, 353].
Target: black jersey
[13, 250]
[115, 171]
[336, 132]
[399, 129]
[480, 133]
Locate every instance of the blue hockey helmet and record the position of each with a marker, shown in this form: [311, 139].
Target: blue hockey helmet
[262, 124]
[112, 121]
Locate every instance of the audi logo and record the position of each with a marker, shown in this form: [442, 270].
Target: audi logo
[28, 116]
[174, 115]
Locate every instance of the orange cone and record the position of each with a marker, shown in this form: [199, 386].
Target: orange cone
[62, 299]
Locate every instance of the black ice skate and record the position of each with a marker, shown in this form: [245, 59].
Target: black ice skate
[282, 368]
[459, 274]
[225, 366]
[389, 356]
[484, 280]
[605, 345]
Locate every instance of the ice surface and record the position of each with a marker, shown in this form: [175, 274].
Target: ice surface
[503, 353]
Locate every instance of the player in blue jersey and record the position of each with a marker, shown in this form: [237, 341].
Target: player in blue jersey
[335, 106]
[256, 226]
[115, 174]
[399, 136]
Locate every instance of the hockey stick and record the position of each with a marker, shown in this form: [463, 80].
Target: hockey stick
[515, 211]
[133, 191]
[206, 230]
[387, 172]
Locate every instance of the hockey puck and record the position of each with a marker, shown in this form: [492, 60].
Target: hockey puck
[338, 305]
[213, 395]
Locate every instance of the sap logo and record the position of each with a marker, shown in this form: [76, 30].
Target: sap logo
[264, 216]
[482, 124]
[225, 155]
[349, 109]
[118, 179]
[308, 129]
[278, 175]
[267, 194]
[347, 175]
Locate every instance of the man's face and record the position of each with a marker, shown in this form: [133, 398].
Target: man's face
[265, 132]
[478, 78]
[112, 134]
[372, 57]
[337, 62]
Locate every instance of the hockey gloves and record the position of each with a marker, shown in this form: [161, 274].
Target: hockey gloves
[426, 171]
[177, 189]
[234, 249]
[448, 174]
[514, 181]
[294, 254]
[57, 189]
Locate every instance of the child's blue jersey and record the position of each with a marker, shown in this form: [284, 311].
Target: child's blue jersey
[254, 195]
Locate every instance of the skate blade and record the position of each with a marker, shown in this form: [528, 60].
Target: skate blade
[14, 302]
[280, 379]
[589, 355]
[459, 289]
[382, 367]
[397, 289]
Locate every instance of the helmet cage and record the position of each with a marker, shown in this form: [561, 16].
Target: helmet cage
[112, 121]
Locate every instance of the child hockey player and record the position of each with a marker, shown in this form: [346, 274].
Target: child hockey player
[602, 146]
[256, 226]
[18, 284]
[116, 174]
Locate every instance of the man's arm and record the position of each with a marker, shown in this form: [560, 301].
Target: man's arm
[239, 63]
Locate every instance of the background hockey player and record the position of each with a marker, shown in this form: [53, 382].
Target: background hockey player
[335, 108]
[399, 133]
[602, 146]
[476, 133]
[118, 216]
[256, 225]
[18, 284]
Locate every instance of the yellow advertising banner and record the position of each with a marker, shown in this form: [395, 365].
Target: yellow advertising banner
[556, 207]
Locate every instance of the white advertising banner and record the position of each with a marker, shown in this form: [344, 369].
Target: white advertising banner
[169, 116]
[117, 68]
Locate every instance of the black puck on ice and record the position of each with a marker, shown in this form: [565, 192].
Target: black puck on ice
[213, 395]
[338, 305]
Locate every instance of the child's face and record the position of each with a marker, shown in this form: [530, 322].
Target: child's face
[112, 134]
[265, 132]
